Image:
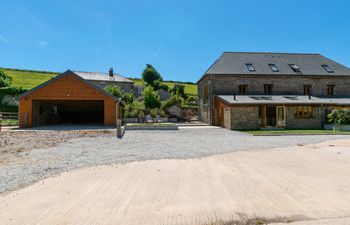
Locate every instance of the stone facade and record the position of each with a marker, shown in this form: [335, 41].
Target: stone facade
[244, 118]
[282, 85]
[315, 122]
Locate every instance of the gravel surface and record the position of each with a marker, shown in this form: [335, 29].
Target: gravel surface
[79, 150]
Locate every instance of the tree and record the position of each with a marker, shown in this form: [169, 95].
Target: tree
[151, 99]
[179, 90]
[5, 80]
[150, 75]
[114, 90]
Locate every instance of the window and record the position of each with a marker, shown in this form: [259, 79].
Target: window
[330, 90]
[305, 112]
[268, 88]
[242, 89]
[307, 89]
[327, 68]
[274, 68]
[250, 67]
[294, 68]
[206, 94]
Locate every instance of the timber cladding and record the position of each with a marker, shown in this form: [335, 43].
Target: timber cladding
[67, 87]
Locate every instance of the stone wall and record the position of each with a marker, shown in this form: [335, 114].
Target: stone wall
[245, 118]
[294, 122]
[228, 84]
[204, 109]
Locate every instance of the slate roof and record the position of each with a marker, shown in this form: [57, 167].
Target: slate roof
[281, 99]
[309, 64]
[102, 76]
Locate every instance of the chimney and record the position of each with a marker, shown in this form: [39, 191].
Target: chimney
[110, 72]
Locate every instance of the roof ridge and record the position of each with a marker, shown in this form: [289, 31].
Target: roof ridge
[289, 53]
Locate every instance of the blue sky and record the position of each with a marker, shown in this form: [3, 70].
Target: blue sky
[180, 38]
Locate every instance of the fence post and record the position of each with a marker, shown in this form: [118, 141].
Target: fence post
[0, 121]
[120, 129]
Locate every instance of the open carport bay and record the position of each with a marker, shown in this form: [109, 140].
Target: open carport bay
[53, 112]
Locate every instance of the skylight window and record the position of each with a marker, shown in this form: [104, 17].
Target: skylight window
[327, 68]
[274, 68]
[250, 67]
[295, 68]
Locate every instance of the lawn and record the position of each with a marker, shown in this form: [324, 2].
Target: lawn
[296, 132]
[9, 122]
[28, 79]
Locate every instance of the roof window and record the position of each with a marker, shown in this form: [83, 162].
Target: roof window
[250, 67]
[274, 68]
[327, 68]
[295, 68]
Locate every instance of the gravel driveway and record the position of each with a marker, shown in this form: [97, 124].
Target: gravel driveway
[31, 166]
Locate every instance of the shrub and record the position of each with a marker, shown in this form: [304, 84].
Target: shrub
[151, 99]
[5, 80]
[174, 100]
[179, 90]
[129, 98]
[114, 90]
[339, 117]
[191, 100]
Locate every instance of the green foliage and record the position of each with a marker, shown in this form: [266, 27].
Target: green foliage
[165, 87]
[179, 90]
[5, 80]
[174, 100]
[151, 99]
[114, 90]
[190, 89]
[155, 112]
[192, 101]
[129, 98]
[151, 76]
[9, 91]
[339, 117]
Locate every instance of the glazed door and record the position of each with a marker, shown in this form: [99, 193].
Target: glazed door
[281, 116]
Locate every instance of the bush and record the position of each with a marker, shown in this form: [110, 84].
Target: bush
[179, 90]
[191, 100]
[129, 98]
[114, 90]
[174, 100]
[151, 99]
[5, 81]
[339, 117]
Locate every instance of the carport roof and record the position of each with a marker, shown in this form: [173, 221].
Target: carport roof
[281, 99]
[68, 72]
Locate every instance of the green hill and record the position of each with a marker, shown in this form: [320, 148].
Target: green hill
[29, 79]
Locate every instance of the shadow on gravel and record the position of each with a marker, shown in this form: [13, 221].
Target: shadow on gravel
[244, 220]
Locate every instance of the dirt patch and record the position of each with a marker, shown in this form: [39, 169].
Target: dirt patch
[14, 143]
[244, 220]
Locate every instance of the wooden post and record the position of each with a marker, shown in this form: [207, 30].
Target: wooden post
[120, 132]
[0, 121]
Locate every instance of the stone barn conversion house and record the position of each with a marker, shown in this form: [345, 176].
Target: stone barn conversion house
[267, 90]
[71, 98]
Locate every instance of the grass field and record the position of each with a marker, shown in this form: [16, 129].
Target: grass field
[29, 79]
